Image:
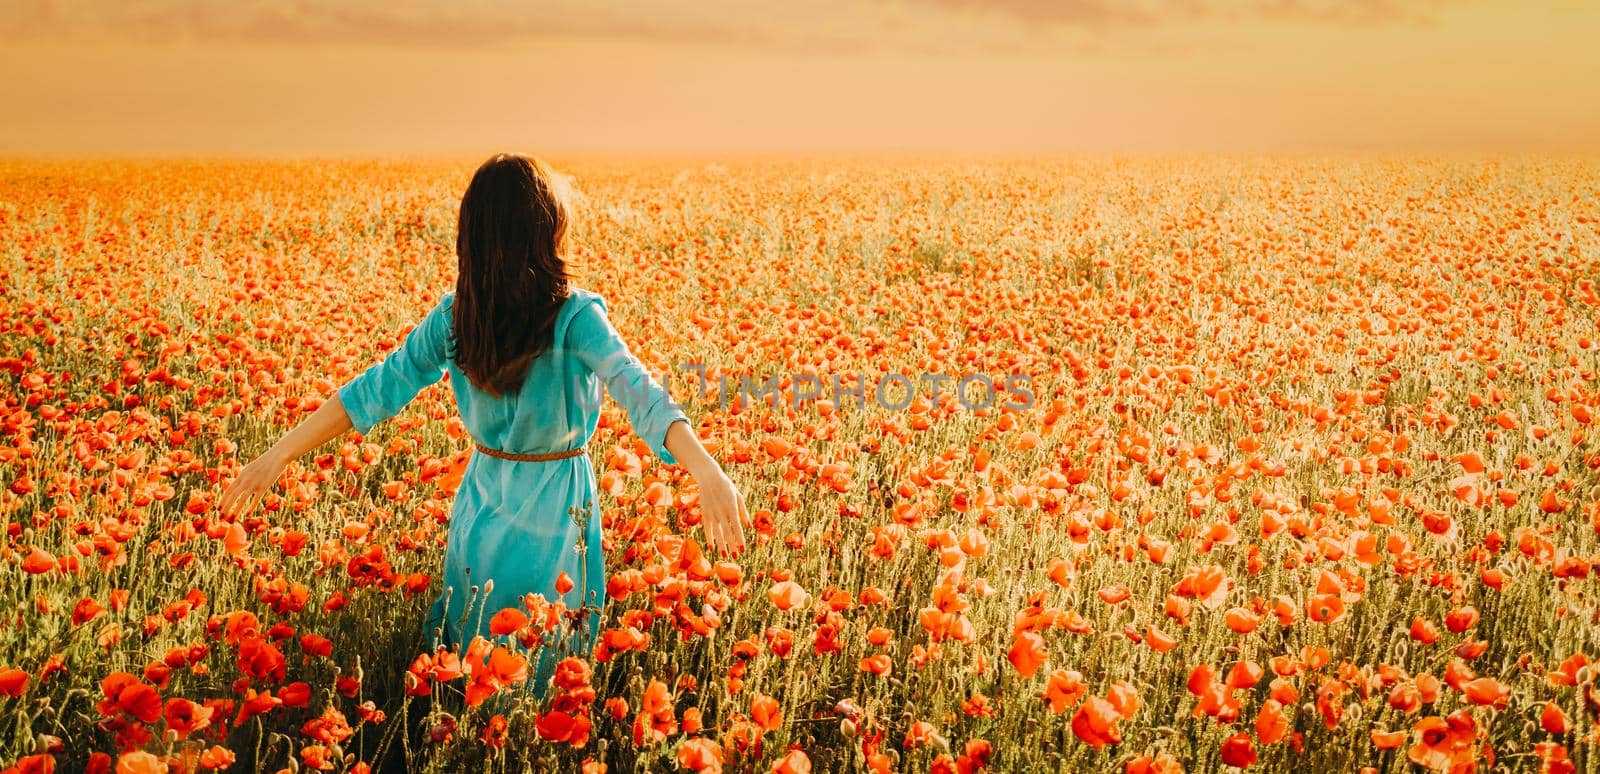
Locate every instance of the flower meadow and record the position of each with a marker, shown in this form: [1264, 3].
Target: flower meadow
[1309, 479]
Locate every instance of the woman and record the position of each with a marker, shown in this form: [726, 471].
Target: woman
[526, 352]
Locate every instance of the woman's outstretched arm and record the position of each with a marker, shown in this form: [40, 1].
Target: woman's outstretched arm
[328, 422]
[722, 511]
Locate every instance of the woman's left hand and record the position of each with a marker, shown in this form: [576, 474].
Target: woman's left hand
[252, 484]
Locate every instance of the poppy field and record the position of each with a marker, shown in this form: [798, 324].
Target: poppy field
[1309, 479]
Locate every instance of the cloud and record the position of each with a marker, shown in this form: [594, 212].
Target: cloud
[403, 22]
[1123, 13]
[823, 26]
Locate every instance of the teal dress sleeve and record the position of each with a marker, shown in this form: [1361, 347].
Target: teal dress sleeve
[379, 392]
[650, 408]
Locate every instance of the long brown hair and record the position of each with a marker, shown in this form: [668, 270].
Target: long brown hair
[512, 275]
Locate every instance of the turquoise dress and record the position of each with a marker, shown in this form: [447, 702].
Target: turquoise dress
[522, 523]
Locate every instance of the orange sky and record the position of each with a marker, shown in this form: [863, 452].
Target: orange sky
[378, 77]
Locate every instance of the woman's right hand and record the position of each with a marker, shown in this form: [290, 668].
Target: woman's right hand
[722, 515]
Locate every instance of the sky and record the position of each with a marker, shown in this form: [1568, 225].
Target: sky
[466, 77]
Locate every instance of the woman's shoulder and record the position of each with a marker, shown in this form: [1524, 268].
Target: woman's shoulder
[443, 313]
[578, 298]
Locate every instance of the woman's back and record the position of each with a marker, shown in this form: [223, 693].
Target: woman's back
[557, 406]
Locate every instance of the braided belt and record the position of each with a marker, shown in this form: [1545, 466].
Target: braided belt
[560, 455]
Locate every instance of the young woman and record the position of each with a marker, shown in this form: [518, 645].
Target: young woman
[526, 352]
